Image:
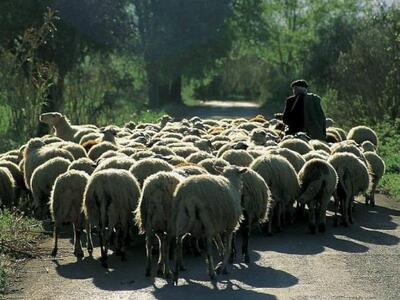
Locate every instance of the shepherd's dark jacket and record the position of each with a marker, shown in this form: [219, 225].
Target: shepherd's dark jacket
[303, 113]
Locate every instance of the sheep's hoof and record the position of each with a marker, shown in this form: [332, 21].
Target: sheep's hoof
[54, 252]
[79, 253]
[175, 279]
[104, 262]
[246, 258]
[213, 276]
[312, 228]
[322, 227]
[148, 273]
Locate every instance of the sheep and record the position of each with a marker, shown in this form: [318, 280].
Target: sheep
[141, 155]
[148, 166]
[296, 160]
[76, 150]
[11, 158]
[318, 181]
[116, 163]
[184, 151]
[63, 128]
[360, 134]
[110, 154]
[340, 131]
[198, 157]
[333, 135]
[153, 216]
[255, 196]
[17, 176]
[188, 169]
[175, 160]
[316, 154]
[208, 206]
[211, 165]
[237, 157]
[7, 188]
[97, 150]
[283, 183]
[353, 179]
[110, 198]
[203, 145]
[66, 202]
[92, 136]
[368, 146]
[37, 153]
[127, 151]
[318, 145]
[42, 182]
[377, 167]
[296, 145]
[83, 164]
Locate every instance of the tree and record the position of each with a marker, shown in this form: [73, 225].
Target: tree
[84, 26]
[180, 38]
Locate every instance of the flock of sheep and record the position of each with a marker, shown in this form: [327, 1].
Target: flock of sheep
[197, 180]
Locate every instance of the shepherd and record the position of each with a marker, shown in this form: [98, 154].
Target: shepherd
[303, 112]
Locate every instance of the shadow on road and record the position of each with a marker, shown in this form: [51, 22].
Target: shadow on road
[369, 227]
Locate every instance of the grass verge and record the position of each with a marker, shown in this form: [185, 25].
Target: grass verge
[389, 150]
[19, 236]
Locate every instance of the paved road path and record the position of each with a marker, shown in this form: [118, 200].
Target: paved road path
[361, 262]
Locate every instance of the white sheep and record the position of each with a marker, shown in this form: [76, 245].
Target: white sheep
[42, 182]
[296, 145]
[7, 188]
[212, 165]
[110, 198]
[66, 202]
[318, 181]
[237, 157]
[63, 128]
[198, 157]
[208, 206]
[377, 169]
[153, 216]
[283, 183]
[354, 179]
[360, 134]
[148, 166]
[37, 153]
[98, 149]
[83, 164]
[117, 162]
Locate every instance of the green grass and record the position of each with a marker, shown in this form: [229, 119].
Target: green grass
[19, 236]
[389, 150]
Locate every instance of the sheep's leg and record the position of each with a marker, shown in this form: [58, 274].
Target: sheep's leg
[279, 213]
[227, 251]
[245, 230]
[220, 245]
[345, 211]
[322, 214]
[210, 261]
[178, 259]
[122, 236]
[336, 207]
[165, 256]
[372, 195]
[350, 209]
[78, 252]
[233, 250]
[89, 239]
[103, 247]
[149, 249]
[55, 234]
[161, 245]
[311, 221]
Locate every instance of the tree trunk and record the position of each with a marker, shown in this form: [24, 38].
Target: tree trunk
[54, 102]
[176, 90]
[153, 89]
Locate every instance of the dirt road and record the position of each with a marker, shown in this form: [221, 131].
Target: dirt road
[361, 262]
